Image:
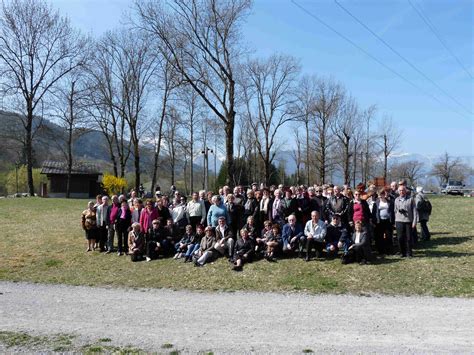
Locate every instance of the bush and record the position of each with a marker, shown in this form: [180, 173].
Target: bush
[113, 185]
[23, 180]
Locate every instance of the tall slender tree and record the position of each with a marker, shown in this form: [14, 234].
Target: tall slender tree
[37, 48]
[201, 40]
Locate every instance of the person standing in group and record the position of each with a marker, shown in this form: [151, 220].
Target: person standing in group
[196, 211]
[384, 223]
[217, 210]
[113, 216]
[103, 221]
[406, 217]
[89, 224]
[124, 221]
[148, 215]
[423, 207]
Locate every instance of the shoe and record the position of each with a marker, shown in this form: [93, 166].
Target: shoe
[176, 256]
[307, 259]
[196, 264]
[119, 253]
[88, 249]
[108, 251]
[148, 259]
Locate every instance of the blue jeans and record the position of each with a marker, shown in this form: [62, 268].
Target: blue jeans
[192, 248]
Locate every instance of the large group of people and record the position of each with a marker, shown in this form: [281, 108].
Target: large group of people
[260, 223]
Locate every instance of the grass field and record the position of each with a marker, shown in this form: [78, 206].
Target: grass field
[41, 241]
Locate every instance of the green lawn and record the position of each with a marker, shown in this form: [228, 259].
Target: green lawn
[41, 241]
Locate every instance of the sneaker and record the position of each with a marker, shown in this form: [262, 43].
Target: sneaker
[88, 249]
[196, 264]
[176, 256]
[108, 251]
[119, 253]
[148, 259]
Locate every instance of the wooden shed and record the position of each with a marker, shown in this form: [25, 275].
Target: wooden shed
[84, 179]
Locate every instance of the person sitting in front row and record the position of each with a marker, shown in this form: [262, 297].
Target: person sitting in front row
[291, 235]
[260, 240]
[194, 243]
[185, 241]
[315, 232]
[334, 233]
[157, 243]
[358, 246]
[136, 242]
[244, 251]
[273, 243]
[206, 251]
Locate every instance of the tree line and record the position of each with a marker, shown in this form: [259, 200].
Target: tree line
[178, 81]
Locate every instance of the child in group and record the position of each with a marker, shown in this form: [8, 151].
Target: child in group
[273, 242]
[183, 244]
[194, 243]
[136, 242]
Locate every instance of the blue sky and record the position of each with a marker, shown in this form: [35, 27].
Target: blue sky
[429, 127]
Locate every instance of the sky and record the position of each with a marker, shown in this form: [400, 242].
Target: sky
[434, 108]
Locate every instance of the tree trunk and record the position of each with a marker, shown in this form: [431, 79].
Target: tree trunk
[191, 152]
[29, 147]
[69, 141]
[385, 157]
[346, 161]
[136, 153]
[229, 145]
[307, 152]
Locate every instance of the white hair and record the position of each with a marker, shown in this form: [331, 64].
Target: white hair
[419, 189]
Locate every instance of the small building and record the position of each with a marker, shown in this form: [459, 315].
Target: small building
[85, 181]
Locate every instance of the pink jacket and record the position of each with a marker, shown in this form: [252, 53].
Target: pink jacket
[146, 218]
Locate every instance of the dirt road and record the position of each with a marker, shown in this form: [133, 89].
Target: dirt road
[241, 322]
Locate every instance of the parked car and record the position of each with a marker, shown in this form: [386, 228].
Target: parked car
[454, 187]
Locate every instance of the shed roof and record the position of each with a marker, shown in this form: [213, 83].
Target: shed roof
[60, 168]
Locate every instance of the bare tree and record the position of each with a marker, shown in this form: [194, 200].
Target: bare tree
[68, 109]
[448, 167]
[389, 140]
[368, 116]
[304, 109]
[269, 97]
[297, 154]
[191, 113]
[329, 96]
[411, 171]
[134, 66]
[107, 104]
[201, 40]
[37, 48]
[171, 136]
[345, 128]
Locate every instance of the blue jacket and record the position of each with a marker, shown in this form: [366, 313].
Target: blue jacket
[215, 212]
[287, 234]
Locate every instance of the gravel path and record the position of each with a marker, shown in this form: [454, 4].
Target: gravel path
[241, 322]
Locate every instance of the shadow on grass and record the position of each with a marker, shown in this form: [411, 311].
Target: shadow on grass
[382, 260]
[441, 233]
[441, 254]
[435, 242]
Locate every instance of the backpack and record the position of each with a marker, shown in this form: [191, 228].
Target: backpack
[425, 206]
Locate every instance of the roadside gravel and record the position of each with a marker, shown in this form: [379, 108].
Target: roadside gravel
[240, 322]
